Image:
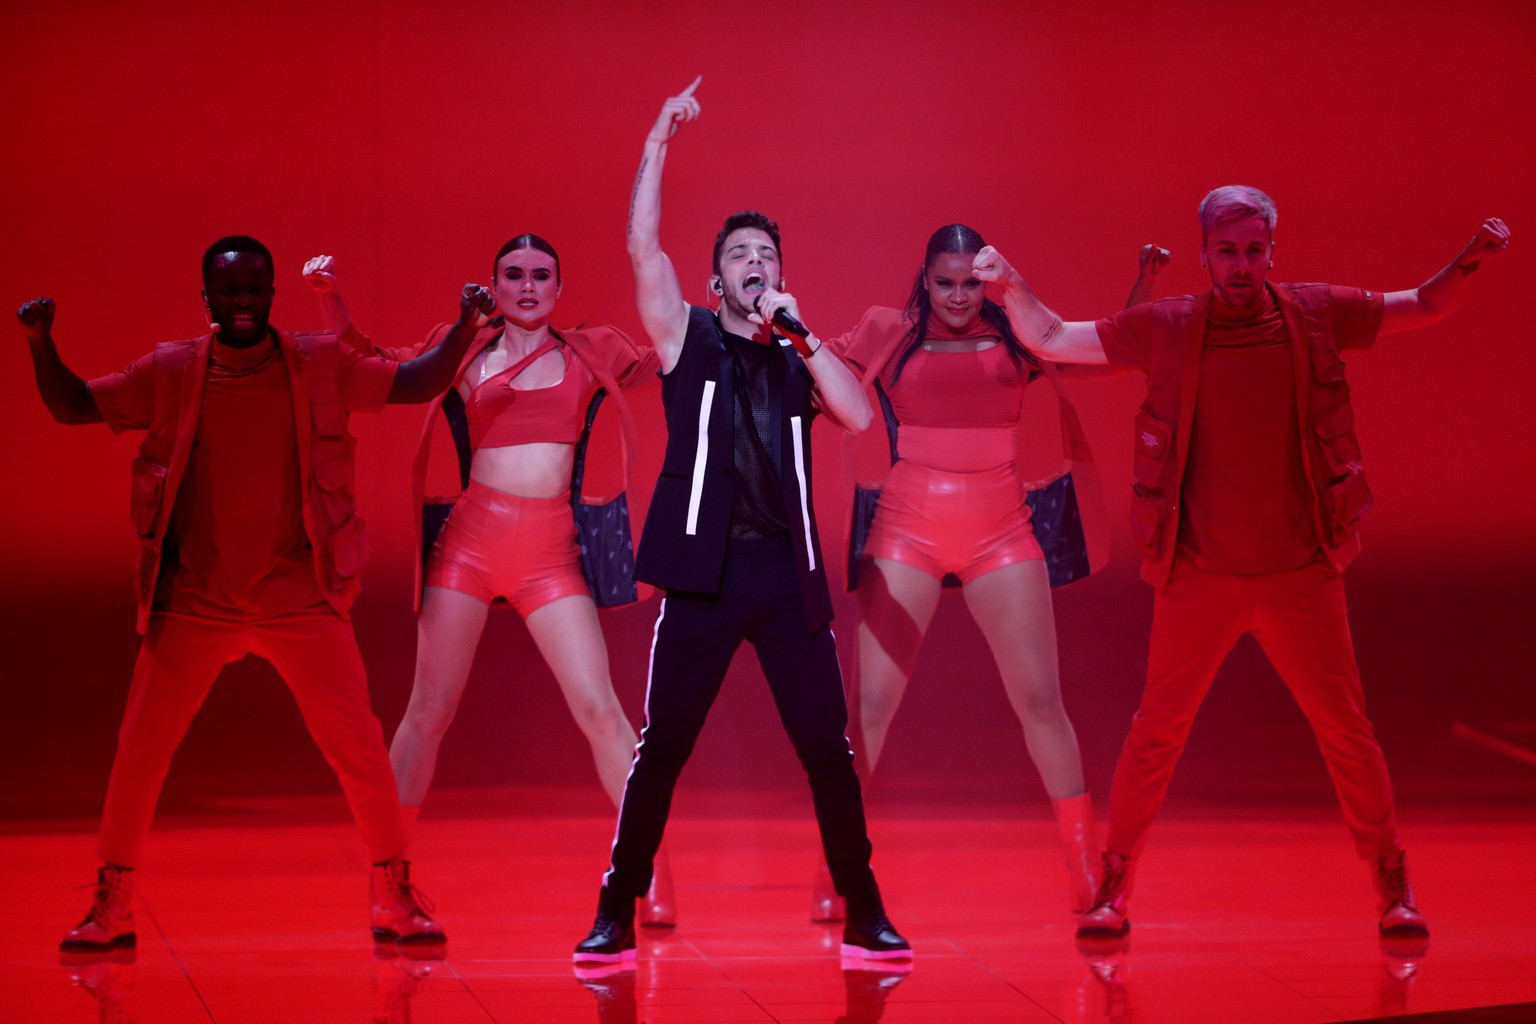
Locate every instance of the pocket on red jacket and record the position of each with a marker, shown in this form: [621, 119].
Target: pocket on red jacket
[1153, 439]
[147, 495]
[348, 547]
[333, 474]
[1347, 501]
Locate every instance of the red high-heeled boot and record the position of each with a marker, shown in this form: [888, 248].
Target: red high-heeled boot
[659, 908]
[1074, 820]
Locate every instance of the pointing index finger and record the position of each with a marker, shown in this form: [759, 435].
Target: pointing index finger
[694, 85]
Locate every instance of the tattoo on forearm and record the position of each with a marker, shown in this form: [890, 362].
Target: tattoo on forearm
[634, 195]
[1050, 332]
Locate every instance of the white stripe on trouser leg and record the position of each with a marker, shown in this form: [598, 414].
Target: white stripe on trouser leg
[650, 673]
[805, 508]
[700, 458]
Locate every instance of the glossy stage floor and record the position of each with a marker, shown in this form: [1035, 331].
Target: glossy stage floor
[254, 911]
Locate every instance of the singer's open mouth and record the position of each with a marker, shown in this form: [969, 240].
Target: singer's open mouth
[754, 283]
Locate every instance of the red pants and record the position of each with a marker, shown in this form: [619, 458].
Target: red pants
[1299, 619]
[317, 656]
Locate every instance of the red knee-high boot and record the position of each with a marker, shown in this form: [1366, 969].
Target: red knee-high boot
[826, 904]
[659, 908]
[1074, 820]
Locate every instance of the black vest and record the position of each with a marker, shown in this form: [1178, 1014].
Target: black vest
[683, 544]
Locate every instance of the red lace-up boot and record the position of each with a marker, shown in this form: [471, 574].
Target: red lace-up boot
[109, 923]
[401, 912]
[1400, 917]
[1107, 918]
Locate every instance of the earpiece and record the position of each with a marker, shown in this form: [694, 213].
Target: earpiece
[715, 286]
[208, 317]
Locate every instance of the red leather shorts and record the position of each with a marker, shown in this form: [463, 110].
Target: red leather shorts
[505, 545]
[963, 523]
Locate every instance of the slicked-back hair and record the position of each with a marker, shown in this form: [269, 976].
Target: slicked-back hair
[953, 238]
[745, 219]
[527, 241]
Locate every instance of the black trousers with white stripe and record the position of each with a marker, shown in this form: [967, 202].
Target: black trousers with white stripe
[696, 636]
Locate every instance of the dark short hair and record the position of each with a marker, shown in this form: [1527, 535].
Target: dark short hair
[744, 219]
[235, 243]
[527, 241]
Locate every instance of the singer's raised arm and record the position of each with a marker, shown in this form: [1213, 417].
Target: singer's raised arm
[657, 291]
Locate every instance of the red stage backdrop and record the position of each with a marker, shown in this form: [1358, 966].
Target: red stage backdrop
[410, 145]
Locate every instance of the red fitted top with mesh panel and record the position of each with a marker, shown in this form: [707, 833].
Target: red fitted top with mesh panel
[501, 415]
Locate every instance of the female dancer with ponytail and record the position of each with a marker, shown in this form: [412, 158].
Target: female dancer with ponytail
[954, 502]
[525, 388]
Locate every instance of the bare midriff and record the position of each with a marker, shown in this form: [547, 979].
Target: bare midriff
[540, 469]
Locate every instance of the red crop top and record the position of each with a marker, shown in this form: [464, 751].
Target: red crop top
[957, 411]
[501, 415]
[959, 389]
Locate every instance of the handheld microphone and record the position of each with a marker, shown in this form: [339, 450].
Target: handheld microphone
[799, 334]
[784, 322]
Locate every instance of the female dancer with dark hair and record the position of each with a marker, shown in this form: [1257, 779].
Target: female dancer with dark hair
[954, 375]
[525, 388]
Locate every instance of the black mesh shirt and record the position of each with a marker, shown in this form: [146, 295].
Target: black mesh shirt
[757, 509]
